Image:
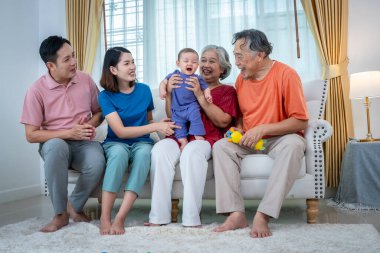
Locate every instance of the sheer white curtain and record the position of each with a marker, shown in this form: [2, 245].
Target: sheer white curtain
[167, 26]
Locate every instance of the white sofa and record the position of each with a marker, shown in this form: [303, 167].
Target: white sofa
[310, 184]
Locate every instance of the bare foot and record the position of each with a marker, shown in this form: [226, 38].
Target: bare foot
[105, 226]
[59, 221]
[77, 217]
[198, 226]
[117, 227]
[197, 137]
[183, 142]
[234, 221]
[260, 227]
[149, 224]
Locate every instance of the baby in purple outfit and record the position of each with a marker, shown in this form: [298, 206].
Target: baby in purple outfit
[185, 108]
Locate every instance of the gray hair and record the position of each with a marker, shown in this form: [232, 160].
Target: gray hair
[224, 59]
[254, 40]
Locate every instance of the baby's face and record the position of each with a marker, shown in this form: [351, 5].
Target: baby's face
[188, 63]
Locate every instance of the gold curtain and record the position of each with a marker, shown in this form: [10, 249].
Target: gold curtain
[328, 21]
[83, 29]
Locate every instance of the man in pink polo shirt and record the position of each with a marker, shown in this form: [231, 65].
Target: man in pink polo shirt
[61, 112]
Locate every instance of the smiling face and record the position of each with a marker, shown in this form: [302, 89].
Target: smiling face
[188, 63]
[64, 68]
[125, 70]
[245, 59]
[209, 67]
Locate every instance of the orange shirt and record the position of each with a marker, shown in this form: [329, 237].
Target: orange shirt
[277, 97]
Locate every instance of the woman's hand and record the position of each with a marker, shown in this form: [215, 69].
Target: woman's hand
[166, 126]
[195, 86]
[173, 82]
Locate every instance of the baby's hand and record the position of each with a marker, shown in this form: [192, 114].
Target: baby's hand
[208, 95]
[162, 89]
[162, 94]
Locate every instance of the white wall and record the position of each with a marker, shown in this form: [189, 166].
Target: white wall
[364, 55]
[24, 24]
[51, 21]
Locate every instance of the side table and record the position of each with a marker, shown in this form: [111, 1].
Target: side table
[360, 175]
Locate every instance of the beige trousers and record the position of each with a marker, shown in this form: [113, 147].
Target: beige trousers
[287, 152]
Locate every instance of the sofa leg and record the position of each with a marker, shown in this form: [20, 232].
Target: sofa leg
[312, 210]
[93, 212]
[175, 210]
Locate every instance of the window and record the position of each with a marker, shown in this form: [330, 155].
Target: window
[124, 22]
[155, 30]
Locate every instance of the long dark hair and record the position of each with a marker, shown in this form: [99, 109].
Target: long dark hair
[108, 80]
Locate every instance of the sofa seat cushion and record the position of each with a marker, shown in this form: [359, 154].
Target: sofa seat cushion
[260, 166]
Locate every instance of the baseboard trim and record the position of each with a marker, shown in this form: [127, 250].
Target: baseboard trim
[20, 193]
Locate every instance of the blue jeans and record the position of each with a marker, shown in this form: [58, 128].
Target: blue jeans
[118, 156]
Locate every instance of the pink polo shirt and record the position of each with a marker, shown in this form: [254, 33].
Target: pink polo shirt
[53, 106]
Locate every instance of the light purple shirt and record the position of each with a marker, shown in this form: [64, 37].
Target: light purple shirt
[53, 106]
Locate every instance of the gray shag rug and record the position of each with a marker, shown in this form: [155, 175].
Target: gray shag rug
[84, 237]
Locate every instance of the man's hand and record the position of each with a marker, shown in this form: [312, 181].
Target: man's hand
[83, 131]
[252, 136]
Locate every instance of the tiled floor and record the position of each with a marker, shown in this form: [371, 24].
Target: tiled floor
[293, 211]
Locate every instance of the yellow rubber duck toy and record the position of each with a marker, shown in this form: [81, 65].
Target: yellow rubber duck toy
[235, 136]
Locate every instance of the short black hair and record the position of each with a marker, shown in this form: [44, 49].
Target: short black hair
[256, 40]
[50, 46]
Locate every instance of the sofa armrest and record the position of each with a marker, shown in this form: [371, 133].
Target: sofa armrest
[318, 131]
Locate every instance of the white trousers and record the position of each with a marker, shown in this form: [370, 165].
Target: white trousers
[193, 163]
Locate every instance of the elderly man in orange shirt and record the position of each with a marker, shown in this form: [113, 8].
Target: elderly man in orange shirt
[61, 112]
[273, 107]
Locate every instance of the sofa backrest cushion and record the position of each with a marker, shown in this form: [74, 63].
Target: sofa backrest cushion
[159, 106]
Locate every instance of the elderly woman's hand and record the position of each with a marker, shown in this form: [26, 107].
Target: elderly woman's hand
[194, 86]
[173, 82]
